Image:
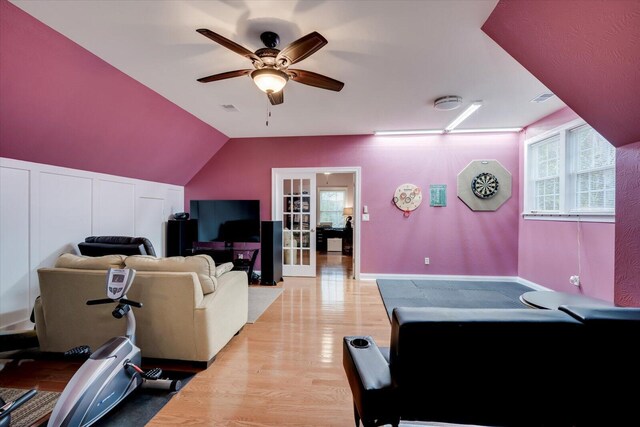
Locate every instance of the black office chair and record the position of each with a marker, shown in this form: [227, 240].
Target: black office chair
[116, 245]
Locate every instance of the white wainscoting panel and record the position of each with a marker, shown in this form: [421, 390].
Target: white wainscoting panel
[47, 210]
[14, 245]
[64, 214]
[114, 206]
[150, 221]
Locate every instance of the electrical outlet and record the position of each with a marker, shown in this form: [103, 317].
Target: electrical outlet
[240, 256]
[575, 280]
[426, 261]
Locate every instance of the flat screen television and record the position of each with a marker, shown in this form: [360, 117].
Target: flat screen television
[227, 221]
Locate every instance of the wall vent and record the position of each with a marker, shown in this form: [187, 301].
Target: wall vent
[229, 108]
[542, 97]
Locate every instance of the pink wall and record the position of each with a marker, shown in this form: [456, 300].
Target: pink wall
[586, 52]
[548, 250]
[63, 106]
[627, 276]
[458, 241]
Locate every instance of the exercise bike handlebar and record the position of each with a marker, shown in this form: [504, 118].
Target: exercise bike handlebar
[111, 301]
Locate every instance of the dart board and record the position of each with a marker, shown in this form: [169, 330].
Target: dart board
[407, 198]
[485, 185]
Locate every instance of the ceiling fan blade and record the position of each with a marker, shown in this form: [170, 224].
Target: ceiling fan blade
[231, 45]
[222, 76]
[276, 97]
[300, 49]
[314, 79]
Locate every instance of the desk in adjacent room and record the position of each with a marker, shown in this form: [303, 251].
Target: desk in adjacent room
[324, 233]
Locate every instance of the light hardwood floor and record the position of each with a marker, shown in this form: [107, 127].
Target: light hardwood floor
[286, 369]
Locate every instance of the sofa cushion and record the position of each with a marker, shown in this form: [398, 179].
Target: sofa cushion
[223, 268]
[90, 263]
[203, 265]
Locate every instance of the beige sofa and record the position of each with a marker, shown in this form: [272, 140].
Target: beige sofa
[188, 313]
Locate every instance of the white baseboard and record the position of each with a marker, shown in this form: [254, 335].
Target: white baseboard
[532, 285]
[374, 276]
[499, 279]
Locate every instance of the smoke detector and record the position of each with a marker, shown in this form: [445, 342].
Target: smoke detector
[447, 103]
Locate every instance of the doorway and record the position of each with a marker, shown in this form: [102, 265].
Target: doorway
[323, 239]
[334, 231]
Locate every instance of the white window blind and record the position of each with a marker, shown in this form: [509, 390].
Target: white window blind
[546, 174]
[594, 166]
[570, 171]
[331, 205]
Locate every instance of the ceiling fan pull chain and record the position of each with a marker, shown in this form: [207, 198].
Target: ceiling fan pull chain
[268, 114]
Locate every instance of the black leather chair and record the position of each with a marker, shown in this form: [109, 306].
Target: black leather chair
[120, 245]
[498, 367]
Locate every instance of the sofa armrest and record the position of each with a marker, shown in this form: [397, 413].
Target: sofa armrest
[370, 381]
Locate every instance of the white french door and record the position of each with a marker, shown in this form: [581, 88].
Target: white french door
[294, 203]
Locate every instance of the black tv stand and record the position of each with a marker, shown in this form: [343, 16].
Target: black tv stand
[243, 259]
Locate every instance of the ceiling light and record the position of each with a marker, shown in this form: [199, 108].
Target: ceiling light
[487, 130]
[447, 103]
[408, 132]
[269, 80]
[463, 116]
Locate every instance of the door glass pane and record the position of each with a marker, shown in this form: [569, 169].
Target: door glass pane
[296, 222]
[306, 257]
[288, 258]
[286, 223]
[286, 187]
[305, 222]
[306, 186]
[305, 239]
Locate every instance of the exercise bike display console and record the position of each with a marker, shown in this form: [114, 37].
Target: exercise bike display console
[112, 372]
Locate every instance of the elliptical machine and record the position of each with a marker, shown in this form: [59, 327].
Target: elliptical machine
[112, 372]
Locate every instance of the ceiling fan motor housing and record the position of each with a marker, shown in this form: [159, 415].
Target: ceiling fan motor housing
[270, 39]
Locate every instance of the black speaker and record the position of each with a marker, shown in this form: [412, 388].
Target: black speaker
[180, 236]
[271, 252]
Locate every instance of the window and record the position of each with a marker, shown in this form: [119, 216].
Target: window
[331, 205]
[570, 172]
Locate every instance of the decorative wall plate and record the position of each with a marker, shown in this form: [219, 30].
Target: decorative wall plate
[407, 198]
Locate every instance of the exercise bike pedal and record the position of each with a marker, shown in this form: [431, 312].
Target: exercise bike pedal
[82, 350]
[152, 374]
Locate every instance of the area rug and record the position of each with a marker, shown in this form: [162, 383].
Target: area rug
[450, 293]
[260, 298]
[143, 404]
[32, 411]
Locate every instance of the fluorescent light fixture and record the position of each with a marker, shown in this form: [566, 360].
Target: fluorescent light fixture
[488, 130]
[463, 116]
[408, 132]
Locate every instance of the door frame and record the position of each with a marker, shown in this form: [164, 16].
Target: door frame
[357, 200]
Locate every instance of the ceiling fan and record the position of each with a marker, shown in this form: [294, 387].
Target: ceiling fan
[271, 66]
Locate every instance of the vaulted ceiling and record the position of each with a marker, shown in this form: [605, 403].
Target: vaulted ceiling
[395, 58]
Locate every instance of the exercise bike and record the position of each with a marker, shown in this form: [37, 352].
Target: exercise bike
[113, 371]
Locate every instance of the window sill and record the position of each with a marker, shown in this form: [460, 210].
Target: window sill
[584, 217]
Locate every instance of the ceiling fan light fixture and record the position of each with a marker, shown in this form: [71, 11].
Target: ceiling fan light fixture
[269, 80]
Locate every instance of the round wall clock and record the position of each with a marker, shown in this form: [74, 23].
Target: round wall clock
[407, 198]
[485, 185]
